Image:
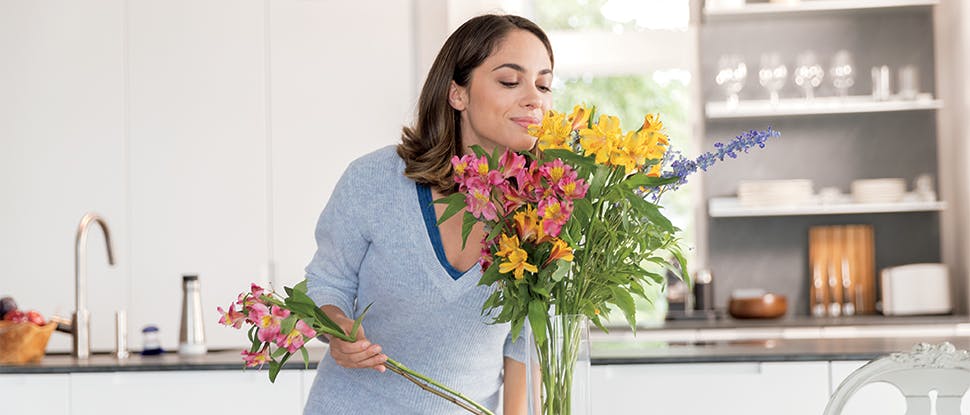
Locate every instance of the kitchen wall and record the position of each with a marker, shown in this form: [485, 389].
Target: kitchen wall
[209, 134]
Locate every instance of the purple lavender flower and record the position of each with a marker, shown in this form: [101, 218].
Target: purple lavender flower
[681, 167]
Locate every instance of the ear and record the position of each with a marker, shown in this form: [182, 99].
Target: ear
[457, 96]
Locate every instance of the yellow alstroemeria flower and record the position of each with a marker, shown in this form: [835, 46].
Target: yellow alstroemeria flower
[560, 250]
[579, 118]
[553, 132]
[517, 264]
[507, 245]
[599, 139]
[628, 152]
[527, 224]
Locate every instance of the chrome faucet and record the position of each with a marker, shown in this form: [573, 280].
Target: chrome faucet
[81, 322]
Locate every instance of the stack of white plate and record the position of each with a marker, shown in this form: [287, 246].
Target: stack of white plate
[766, 193]
[878, 190]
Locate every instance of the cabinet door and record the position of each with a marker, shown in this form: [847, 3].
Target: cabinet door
[35, 394]
[332, 101]
[62, 154]
[198, 151]
[185, 392]
[717, 388]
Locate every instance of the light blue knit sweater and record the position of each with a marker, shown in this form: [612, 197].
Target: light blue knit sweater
[373, 247]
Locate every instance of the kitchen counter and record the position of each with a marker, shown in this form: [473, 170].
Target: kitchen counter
[606, 350]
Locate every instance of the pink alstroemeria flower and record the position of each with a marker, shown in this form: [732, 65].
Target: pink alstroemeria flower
[511, 164]
[295, 339]
[231, 317]
[255, 359]
[573, 188]
[268, 321]
[554, 214]
[479, 199]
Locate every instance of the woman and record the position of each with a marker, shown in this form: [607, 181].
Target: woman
[379, 245]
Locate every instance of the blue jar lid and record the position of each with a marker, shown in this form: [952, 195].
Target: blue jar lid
[149, 329]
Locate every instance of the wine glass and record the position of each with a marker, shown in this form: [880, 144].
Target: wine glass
[773, 74]
[808, 73]
[842, 72]
[731, 74]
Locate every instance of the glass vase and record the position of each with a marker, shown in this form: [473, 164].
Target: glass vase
[557, 371]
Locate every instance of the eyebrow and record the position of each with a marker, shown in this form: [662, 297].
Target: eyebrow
[519, 68]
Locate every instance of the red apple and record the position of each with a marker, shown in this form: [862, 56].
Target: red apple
[35, 317]
[15, 316]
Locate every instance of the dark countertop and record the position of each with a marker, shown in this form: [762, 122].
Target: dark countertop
[605, 351]
[728, 322]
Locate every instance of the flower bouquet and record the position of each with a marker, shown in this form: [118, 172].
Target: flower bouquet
[281, 325]
[575, 229]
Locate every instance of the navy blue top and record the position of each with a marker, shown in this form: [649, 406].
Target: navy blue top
[431, 223]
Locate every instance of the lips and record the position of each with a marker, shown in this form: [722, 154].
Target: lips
[525, 122]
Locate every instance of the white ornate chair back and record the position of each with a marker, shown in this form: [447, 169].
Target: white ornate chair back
[927, 368]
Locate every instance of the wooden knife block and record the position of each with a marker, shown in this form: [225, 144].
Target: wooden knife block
[842, 271]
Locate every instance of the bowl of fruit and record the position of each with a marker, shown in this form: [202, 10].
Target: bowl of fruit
[23, 334]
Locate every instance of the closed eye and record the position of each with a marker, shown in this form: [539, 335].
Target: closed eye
[509, 84]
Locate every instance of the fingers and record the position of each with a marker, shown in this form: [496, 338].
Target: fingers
[360, 354]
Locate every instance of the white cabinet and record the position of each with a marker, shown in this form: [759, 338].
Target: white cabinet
[186, 392]
[198, 158]
[702, 388]
[208, 133]
[333, 100]
[35, 394]
[62, 153]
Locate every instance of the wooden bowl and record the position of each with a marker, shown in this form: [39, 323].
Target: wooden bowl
[764, 306]
[23, 342]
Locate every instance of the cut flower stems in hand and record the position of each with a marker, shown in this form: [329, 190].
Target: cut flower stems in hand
[281, 325]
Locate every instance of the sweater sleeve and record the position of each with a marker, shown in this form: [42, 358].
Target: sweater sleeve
[341, 246]
[517, 350]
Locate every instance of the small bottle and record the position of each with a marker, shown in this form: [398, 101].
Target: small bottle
[150, 344]
[192, 328]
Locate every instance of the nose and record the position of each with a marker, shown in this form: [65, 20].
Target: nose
[533, 99]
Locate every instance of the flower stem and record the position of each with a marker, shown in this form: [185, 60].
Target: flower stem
[449, 394]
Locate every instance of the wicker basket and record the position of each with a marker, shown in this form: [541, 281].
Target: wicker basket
[23, 342]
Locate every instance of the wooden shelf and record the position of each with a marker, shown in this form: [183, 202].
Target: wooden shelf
[822, 105]
[730, 207]
[755, 10]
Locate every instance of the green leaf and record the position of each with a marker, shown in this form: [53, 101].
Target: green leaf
[624, 301]
[353, 331]
[496, 230]
[278, 352]
[570, 157]
[301, 286]
[288, 290]
[490, 276]
[274, 369]
[583, 211]
[306, 357]
[538, 314]
[562, 269]
[467, 222]
[599, 180]
[479, 151]
[456, 203]
[493, 160]
[651, 211]
[516, 328]
[287, 324]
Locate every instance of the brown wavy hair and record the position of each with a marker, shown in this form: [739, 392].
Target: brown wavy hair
[428, 146]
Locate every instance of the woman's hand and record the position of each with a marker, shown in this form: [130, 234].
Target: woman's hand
[360, 354]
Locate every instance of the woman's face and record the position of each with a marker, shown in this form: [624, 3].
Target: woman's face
[509, 91]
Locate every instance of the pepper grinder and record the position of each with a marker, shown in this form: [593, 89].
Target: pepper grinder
[192, 328]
